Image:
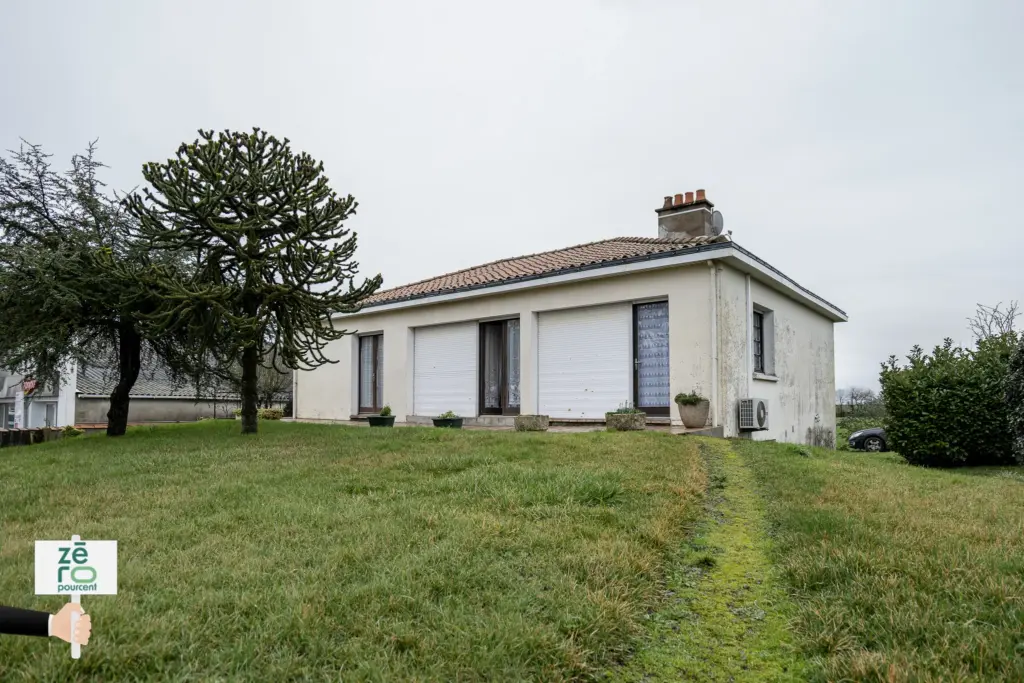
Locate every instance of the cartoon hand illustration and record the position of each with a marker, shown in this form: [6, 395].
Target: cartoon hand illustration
[61, 627]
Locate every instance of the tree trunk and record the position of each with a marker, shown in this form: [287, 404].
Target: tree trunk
[250, 361]
[129, 363]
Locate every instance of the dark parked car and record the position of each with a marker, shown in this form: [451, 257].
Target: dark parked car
[869, 440]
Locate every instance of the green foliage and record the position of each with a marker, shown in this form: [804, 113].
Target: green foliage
[1015, 400]
[690, 399]
[448, 415]
[273, 261]
[73, 278]
[948, 409]
[270, 413]
[385, 411]
[71, 430]
[627, 408]
[237, 412]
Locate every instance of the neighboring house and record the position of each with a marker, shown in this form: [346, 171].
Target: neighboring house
[83, 399]
[576, 332]
[39, 406]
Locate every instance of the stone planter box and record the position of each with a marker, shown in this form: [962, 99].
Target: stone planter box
[5, 438]
[25, 437]
[448, 422]
[625, 422]
[381, 420]
[694, 416]
[532, 423]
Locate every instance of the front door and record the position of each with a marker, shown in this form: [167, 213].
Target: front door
[499, 367]
[650, 358]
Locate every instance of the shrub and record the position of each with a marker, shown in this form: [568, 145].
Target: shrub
[385, 411]
[626, 407]
[270, 413]
[71, 431]
[948, 409]
[690, 399]
[1015, 401]
[448, 415]
[237, 412]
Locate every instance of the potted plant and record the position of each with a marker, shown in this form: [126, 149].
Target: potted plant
[693, 409]
[449, 420]
[385, 419]
[626, 419]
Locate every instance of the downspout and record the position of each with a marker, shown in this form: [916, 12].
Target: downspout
[750, 339]
[714, 343]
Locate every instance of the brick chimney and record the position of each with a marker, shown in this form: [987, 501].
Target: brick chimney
[685, 215]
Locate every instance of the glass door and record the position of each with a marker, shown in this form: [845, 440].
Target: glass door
[499, 367]
[650, 358]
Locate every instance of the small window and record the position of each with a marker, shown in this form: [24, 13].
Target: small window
[371, 373]
[758, 341]
[762, 339]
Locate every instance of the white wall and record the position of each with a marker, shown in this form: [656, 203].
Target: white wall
[329, 392]
[804, 360]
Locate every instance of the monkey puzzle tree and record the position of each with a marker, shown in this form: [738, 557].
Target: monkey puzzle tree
[70, 285]
[272, 259]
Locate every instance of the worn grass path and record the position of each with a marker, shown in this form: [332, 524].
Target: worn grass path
[726, 614]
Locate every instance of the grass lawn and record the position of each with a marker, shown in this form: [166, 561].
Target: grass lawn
[326, 553]
[899, 573]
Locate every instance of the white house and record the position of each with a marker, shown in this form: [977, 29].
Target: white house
[576, 332]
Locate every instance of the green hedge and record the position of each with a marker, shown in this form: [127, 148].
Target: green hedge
[270, 413]
[1015, 401]
[948, 409]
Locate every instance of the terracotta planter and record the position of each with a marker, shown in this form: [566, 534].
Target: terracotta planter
[532, 423]
[625, 422]
[448, 422]
[381, 420]
[694, 416]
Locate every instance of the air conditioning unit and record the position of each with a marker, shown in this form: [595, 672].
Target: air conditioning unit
[753, 414]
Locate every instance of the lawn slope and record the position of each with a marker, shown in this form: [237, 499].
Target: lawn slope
[900, 573]
[315, 552]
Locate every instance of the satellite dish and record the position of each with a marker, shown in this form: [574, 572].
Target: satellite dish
[717, 223]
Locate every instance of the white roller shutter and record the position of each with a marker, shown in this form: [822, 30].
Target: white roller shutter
[444, 370]
[585, 361]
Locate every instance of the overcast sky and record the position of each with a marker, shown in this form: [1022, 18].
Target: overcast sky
[872, 151]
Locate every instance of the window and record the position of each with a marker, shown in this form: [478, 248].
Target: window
[371, 373]
[651, 358]
[499, 367]
[762, 339]
[51, 414]
[758, 341]
[7, 416]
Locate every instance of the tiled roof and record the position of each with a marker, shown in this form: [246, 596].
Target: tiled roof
[152, 382]
[593, 254]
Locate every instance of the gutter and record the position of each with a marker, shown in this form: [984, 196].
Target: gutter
[713, 291]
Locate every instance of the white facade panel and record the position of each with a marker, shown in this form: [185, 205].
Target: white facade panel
[585, 361]
[445, 370]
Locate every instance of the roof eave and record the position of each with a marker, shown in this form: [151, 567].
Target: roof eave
[738, 256]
